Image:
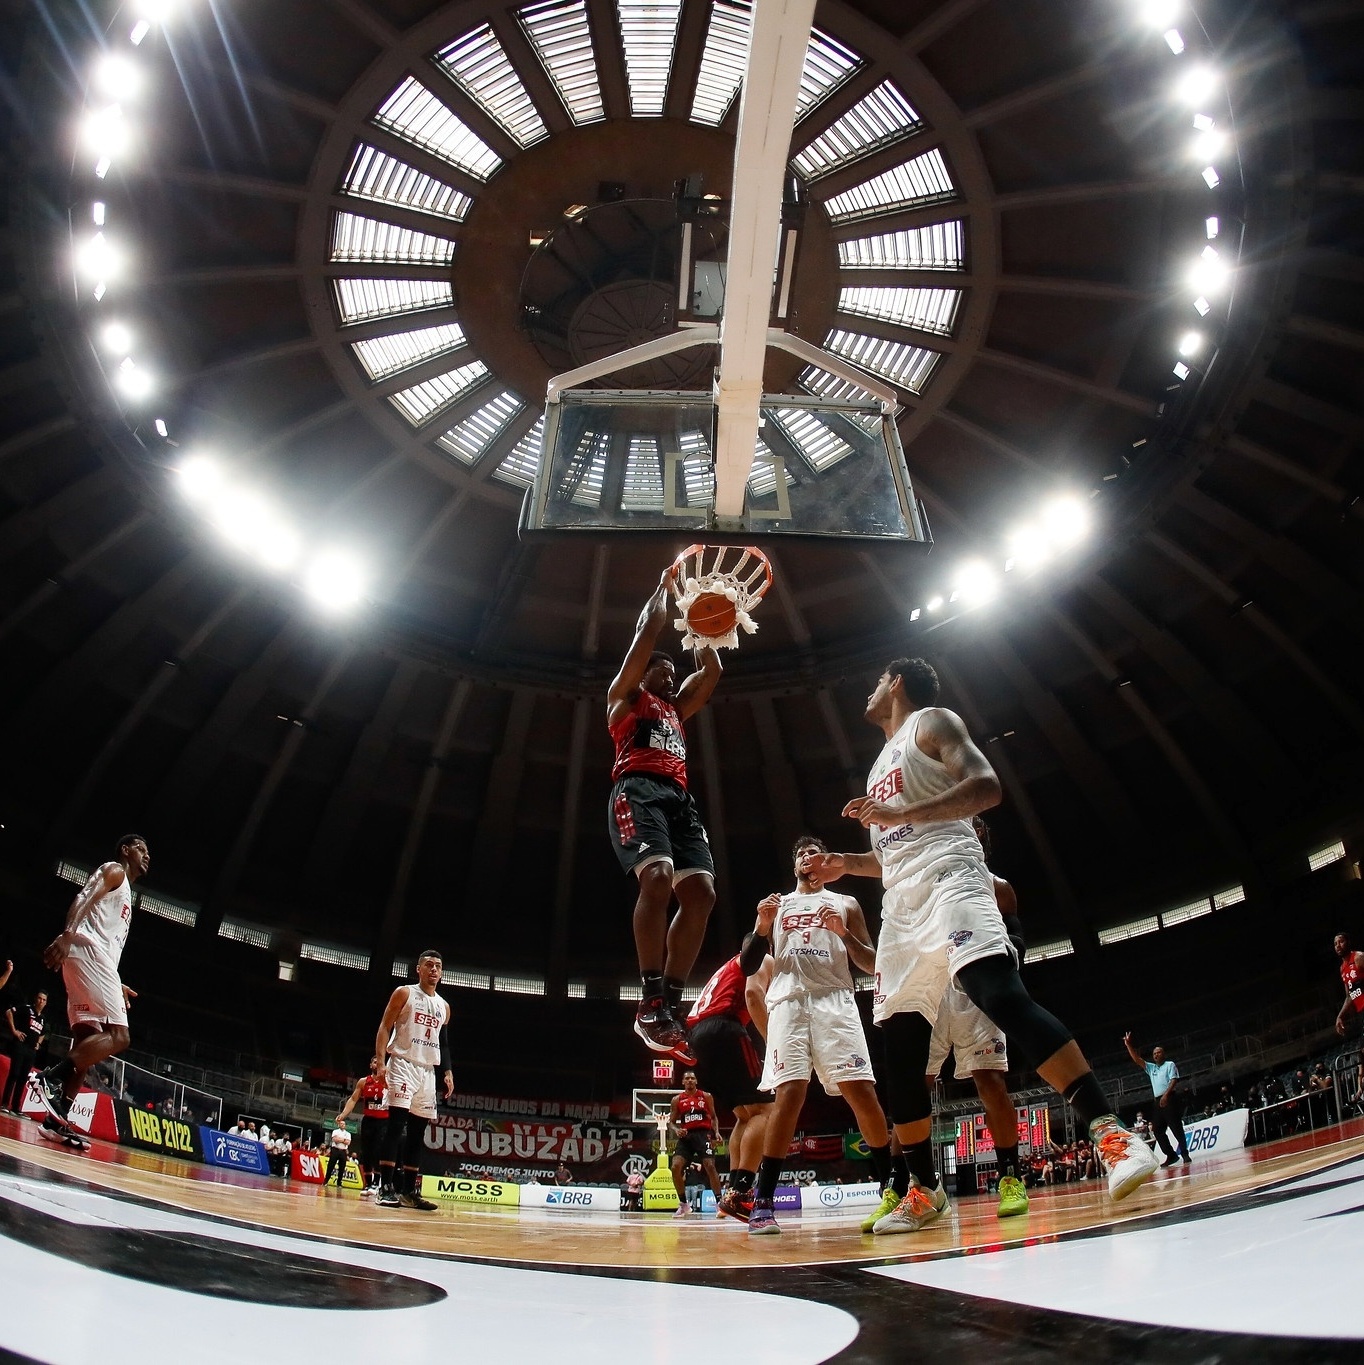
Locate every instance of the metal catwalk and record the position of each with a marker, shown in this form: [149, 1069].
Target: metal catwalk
[1247, 1257]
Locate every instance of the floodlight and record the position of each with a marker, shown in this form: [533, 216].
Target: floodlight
[933, 604]
[1202, 307]
[975, 582]
[334, 580]
[1182, 371]
[1160, 13]
[1212, 227]
[97, 212]
[1209, 274]
[1208, 145]
[1174, 40]
[1197, 86]
[1066, 520]
[157, 11]
[200, 477]
[1210, 177]
[140, 31]
[117, 338]
[1029, 547]
[135, 382]
[161, 429]
[106, 131]
[1191, 343]
[118, 76]
[98, 259]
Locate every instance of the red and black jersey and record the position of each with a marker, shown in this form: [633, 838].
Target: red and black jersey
[722, 994]
[692, 1113]
[1354, 981]
[372, 1092]
[650, 740]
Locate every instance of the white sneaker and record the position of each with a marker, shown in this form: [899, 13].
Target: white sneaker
[1130, 1163]
[683, 1210]
[916, 1210]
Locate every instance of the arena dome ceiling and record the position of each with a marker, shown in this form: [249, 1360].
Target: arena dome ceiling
[330, 225]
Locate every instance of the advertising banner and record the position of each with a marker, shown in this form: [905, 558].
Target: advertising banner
[453, 1138]
[236, 1153]
[570, 1198]
[92, 1111]
[787, 1197]
[309, 1166]
[460, 1190]
[829, 1198]
[157, 1133]
[1217, 1134]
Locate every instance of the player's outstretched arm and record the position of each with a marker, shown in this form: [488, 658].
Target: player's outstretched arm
[387, 1024]
[832, 866]
[695, 692]
[755, 995]
[350, 1104]
[625, 685]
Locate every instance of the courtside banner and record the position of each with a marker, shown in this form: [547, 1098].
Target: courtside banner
[92, 1111]
[460, 1190]
[570, 1198]
[1218, 1134]
[236, 1153]
[156, 1133]
[828, 1198]
[308, 1164]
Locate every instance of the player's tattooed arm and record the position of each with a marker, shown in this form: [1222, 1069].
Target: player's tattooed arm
[100, 882]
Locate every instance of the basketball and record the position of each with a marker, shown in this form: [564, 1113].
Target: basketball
[711, 615]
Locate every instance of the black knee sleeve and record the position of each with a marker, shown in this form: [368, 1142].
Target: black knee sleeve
[997, 990]
[391, 1148]
[907, 1038]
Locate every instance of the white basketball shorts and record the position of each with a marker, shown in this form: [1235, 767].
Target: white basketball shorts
[94, 994]
[961, 1028]
[930, 931]
[411, 1087]
[816, 1034]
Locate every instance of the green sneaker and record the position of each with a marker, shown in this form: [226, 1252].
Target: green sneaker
[1013, 1198]
[890, 1201]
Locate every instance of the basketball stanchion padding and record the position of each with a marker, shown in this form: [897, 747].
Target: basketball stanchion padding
[717, 587]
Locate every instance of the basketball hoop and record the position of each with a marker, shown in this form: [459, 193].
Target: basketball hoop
[716, 599]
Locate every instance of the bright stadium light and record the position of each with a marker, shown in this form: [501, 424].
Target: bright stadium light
[975, 582]
[118, 77]
[1160, 13]
[1174, 40]
[1190, 343]
[1029, 547]
[106, 132]
[1197, 86]
[1066, 520]
[334, 580]
[1212, 227]
[1208, 146]
[98, 259]
[201, 478]
[117, 338]
[933, 604]
[135, 382]
[1209, 273]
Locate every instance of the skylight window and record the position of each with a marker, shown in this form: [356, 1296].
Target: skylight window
[878, 119]
[467, 440]
[722, 61]
[335, 956]
[926, 310]
[826, 385]
[1233, 895]
[643, 488]
[376, 175]
[414, 113]
[648, 31]
[388, 355]
[166, 908]
[422, 402]
[1324, 857]
[827, 65]
[1120, 933]
[762, 478]
[519, 467]
[924, 180]
[1043, 952]
[822, 447]
[367, 239]
[698, 478]
[905, 365]
[586, 473]
[559, 32]
[520, 985]
[362, 300]
[479, 65]
[240, 932]
[470, 981]
[1181, 914]
[940, 246]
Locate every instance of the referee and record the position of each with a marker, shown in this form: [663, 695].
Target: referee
[1167, 1123]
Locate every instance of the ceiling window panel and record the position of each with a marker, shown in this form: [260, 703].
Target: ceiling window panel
[559, 32]
[479, 65]
[386, 180]
[905, 365]
[722, 61]
[762, 478]
[643, 487]
[388, 355]
[923, 180]
[1120, 933]
[362, 300]
[926, 310]
[648, 31]
[467, 440]
[818, 443]
[416, 115]
[698, 477]
[880, 118]
[520, 466]
[356, 238]
[420, 403]
[825, 385]
[827, 65]
[940, 246]
[586, 472]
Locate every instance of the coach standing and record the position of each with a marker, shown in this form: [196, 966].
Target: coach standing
[1164, 1076]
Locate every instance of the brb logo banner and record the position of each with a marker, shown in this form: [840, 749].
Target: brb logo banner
[1221, 1133]
[239, 1153]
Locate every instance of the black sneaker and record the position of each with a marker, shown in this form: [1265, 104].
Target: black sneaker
[53, 1098]
[656, 1024]
[388, 1198]
[415, 1201]
[56, 1132]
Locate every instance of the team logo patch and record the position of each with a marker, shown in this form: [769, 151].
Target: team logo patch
[961, 937]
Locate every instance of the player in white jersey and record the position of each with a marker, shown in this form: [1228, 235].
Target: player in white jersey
[940, 922]
[411, 1045]
[813, 1027]
[87, 954]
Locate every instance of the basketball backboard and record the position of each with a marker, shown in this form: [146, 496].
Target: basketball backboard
[641, 461]
[648, 1106]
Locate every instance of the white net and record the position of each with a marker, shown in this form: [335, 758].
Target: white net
[738, 573]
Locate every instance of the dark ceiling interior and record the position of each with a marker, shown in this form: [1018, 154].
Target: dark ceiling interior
[1174, 710]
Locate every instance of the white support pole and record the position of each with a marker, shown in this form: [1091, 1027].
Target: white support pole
[767, 108]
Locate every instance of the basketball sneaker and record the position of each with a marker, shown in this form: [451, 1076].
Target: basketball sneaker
[735, 1205]
[1129, 1162]
[890, 1201]
[683, 1210]
[657, 1025]
[415, 1201]
[52, 1096]
[388, 1198]
[1013, 1197]
[761, 1220]
[916, 1210]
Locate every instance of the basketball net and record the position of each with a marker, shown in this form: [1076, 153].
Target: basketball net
[743, 582]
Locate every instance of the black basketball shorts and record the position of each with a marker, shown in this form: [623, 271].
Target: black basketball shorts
[727, 1062]
[652, 818]
[694, 1146]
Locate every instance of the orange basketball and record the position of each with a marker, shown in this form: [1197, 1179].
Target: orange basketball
[711, 615]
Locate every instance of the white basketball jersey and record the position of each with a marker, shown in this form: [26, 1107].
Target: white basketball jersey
[416, 1035]
[104, 930]
[910, 854]
[808, 959]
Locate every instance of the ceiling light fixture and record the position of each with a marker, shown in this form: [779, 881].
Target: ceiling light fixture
[975, 582]
[118, 76]
[1191, 343]
[1066, 520]
[117, 338]
[1174, 40]
[334, 580]
[200, 477]
[135, 383]
[1197, 86]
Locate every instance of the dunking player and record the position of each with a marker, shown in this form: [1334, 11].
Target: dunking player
[978, 1046]
[939, 922]
[87, 953]
[1352, 977]
[718, 1033]
[812, 1019]
[373, 1094]
[655, 827]
[693, 1116]
[411, 1043]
